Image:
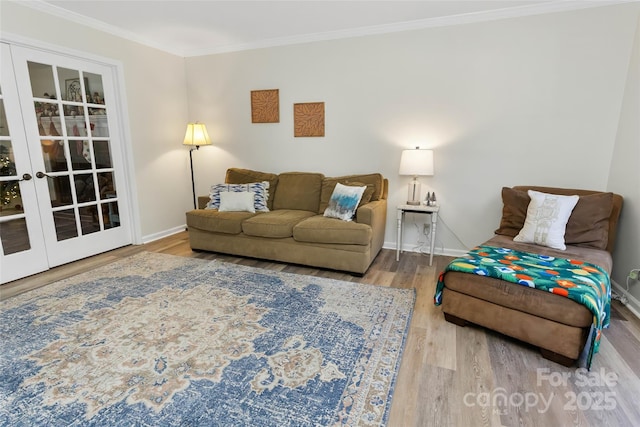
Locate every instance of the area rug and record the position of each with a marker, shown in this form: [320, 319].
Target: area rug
[161, 340]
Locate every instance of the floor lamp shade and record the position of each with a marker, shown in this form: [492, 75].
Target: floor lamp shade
[195, 136]
[416, 163]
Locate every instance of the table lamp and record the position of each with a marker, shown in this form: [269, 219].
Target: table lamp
[416, 163]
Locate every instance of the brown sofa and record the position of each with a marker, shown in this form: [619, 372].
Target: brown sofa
[557, 325]
[295, 230]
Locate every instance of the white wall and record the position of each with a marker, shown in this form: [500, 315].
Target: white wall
[548, 100]
[156, 102]
[624, 179]
[533, 100]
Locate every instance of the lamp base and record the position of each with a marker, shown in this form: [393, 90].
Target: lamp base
[413, 196]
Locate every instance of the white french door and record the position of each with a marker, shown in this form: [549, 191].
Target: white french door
[62, 184]
[23, 249]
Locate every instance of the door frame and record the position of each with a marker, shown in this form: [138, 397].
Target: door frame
[122, 112]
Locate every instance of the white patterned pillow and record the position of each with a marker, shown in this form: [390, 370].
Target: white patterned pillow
[546, 221]
[260, 191]
[344, 202]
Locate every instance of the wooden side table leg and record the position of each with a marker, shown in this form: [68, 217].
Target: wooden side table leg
[434, 220]
[399, 237]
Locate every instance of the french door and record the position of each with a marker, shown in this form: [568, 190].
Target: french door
[62, 181]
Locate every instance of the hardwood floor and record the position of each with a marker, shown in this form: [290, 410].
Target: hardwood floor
[455, 376]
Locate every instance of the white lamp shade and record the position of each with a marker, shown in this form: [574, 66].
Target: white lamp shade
[196, 135]
[416, 162]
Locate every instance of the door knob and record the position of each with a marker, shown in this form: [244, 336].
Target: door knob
[41, 174]
[26, 177]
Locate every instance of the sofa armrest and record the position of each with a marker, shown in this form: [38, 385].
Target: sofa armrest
[202, 201]
[374, 214]
[367, 213]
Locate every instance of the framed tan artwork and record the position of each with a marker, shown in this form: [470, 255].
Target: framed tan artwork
[265, 106]
[308, 119]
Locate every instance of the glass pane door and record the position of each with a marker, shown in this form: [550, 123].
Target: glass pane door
[22, 250]
[73, 127]
[72, 132]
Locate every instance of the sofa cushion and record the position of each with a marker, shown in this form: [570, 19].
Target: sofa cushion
[592, 255]
[246, 176]
[329, 184]
[275, 224]
[521, 298]
[368, 192]
[588, 224]
[217, 222]
[298, 191]
[514, 211]
[319, 229]
[374, 179]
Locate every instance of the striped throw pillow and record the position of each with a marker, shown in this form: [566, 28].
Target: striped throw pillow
[260, 192]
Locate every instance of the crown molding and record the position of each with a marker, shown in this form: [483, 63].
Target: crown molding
[96, 24]
[31, 43]
[445, 21]
[419, 24]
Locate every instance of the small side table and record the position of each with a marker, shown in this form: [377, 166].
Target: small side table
[431, 210]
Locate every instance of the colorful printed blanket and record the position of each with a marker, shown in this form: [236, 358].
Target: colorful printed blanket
[585, 283]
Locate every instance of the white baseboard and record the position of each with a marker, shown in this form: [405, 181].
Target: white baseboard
[425, 248]
[632, 302]
[166, 233]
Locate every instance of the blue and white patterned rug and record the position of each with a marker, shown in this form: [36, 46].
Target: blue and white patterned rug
[159, 340]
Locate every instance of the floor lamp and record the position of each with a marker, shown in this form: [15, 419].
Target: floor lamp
[195, 137]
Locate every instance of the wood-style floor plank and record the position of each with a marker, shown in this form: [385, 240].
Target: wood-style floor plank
[451, 375]
[474, 379]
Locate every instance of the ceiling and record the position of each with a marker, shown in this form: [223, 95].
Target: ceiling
[191, 28]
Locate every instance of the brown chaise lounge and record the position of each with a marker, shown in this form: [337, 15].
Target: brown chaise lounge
[557, 325]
